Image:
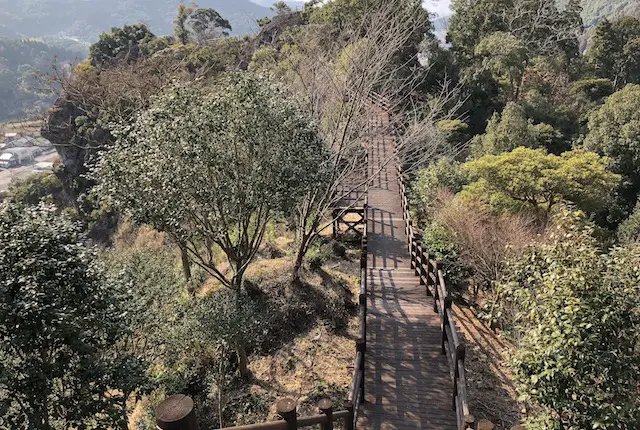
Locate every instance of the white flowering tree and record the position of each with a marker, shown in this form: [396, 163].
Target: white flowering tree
[212, 167]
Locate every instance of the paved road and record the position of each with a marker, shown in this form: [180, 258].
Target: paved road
[8, 175]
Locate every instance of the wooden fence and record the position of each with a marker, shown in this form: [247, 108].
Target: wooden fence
[430, 273]
[178, 412]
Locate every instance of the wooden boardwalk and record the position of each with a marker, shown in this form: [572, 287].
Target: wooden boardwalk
[408, 382]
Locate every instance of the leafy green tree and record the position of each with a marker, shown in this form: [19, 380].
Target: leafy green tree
[602, 53]
[472, 21]
[510, 130]
[494, 42]
[212, 167]
[181, 30]
[36, 188]
[206, 20]
[505, 55]
[577, 311]
[629, 230]
[281, 7]
[535, 178]
[121, 44]
[197, 22]
[540, 24]
[613, 51]
[614, 131]
[62, 326]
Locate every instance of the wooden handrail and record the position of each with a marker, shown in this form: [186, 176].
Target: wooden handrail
[432, 277]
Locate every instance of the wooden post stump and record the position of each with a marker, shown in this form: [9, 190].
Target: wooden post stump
[287, 409]
[485, 425]
[326, 407]
[177, 413]
[468, 422]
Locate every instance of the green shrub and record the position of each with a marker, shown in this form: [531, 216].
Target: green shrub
[319, 254]
[443, 175]
[36, 188]
[629, 230]
[441, 243]
[578, 315]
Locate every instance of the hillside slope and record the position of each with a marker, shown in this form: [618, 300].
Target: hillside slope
[596, 10]
[86, 19]
[20, 62]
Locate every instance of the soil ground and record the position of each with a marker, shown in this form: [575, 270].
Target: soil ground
[492, 393]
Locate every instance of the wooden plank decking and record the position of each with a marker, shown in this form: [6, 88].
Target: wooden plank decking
[408, 383]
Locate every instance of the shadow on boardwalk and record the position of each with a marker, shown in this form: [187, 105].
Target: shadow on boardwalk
[407, 378]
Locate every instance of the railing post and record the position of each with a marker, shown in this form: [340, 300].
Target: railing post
[287, 409]
[445, 322]
[349, 421]
[426, 269]
[435, 287]
[423, 262]
[361, 346]
[177, 413]
[362, 299]
[468, 422]
[417, 247]
[326, 407]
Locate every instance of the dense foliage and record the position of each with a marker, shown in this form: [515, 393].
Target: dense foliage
[614, 132]
[614, 51]
[541, 180]
[246, 140]
[550, 128]
[62, 328]
[578, 312]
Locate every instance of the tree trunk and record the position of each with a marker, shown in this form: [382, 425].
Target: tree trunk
[297, 266]
[243, 360]
[299, 261]
[186, 263]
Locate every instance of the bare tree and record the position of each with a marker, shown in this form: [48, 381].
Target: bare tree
[544, 28]
[338, 79]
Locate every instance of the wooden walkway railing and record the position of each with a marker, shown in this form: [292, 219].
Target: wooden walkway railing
[430, 273]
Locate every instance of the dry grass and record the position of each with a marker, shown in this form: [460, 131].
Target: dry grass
[312, 366]
[132, 237]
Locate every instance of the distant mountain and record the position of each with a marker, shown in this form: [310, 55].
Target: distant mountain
[85, 19]
[20, 62]
[595, 10]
